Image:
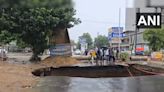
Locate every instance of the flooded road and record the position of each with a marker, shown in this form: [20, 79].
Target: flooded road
[75, 84]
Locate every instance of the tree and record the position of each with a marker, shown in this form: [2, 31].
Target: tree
[88, 39]
[5, 37]
[32, 21]
[78, 45]
[101, 41]
[155, 38]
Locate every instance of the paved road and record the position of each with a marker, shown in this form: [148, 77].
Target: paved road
[131, 84]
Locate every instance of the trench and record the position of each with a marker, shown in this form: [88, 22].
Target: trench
[100, 71]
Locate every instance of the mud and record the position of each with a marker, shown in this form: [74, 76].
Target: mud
[99, 71]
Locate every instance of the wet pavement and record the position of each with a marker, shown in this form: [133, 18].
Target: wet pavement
[75, 84]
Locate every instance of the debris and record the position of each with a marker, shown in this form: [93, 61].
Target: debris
[59, 61]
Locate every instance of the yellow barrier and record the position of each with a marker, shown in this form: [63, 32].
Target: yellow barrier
[157, 55]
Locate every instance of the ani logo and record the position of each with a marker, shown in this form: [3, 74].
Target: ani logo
[148, 20]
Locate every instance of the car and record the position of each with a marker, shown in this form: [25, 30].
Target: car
[3, 50]
[77, 52]
[3, 53]
[139, 53]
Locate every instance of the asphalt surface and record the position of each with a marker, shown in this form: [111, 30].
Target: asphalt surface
[75, 84]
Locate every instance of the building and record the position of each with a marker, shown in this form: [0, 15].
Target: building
[142, 6]
[115, 35]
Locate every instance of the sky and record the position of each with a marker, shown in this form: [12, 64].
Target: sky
[98, 16]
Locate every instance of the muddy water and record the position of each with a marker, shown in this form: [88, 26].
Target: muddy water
[75, 84]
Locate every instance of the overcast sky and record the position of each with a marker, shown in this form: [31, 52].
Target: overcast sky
[98, 16]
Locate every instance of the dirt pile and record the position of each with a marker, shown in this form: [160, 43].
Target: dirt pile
[59, 61]
[18, 77]
[14, 78]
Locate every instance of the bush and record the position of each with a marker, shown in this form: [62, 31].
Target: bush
[124, 56]
[147, 53]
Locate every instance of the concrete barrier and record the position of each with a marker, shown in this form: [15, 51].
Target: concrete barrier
[139, 58]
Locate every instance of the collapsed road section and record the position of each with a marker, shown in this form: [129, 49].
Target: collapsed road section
[100, 71]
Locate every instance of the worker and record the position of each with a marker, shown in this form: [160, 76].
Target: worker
[117, 54]
[98, 54]
[93, 56]
[107, 55]
[112, 54]
[86, 52]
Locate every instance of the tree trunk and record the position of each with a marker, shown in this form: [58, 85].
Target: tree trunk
[35, 57]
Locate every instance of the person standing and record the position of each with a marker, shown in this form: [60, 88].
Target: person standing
[86, 52]
[103, 54]
[117, 54]
[98, 54]
[93, 56]
[112, 54]
[107, 55]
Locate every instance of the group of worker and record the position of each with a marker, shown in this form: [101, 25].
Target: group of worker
[107, 54]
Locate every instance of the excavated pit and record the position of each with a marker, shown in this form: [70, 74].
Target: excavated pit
[100, 71]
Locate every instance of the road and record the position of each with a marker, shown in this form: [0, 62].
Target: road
[131, 84]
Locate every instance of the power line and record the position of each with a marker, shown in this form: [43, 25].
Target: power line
[101, 22]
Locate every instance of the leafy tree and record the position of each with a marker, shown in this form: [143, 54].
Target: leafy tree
[155, 38]
[5, 37]
[32, 21]
[78, 45]
[101, 40]
[88, 39]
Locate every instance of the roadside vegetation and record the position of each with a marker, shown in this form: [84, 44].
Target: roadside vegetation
[31, 22]
[155, 37]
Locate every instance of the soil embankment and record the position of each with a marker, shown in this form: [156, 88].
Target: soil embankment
[18, 77]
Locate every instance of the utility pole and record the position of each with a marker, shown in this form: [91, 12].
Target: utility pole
[119, 47]
[136, 30]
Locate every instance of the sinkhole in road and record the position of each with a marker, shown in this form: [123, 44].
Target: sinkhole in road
[100, 71]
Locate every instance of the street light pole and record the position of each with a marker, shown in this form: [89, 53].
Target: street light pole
[136, 30]
[119, 29]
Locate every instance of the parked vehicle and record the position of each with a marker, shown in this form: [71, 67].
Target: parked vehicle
[77, 52]
[139, 53]
[3, 50]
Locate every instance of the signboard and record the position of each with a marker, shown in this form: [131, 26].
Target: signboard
[140, 49]
[148, 20]
[82, 40]
[109, 36]
[118, 35]
[60, 50]
[117, 29]
[116, 40]
[114, 32]
[84, 47]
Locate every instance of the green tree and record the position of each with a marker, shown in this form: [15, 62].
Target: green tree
[155, 38]
[101, 40]
[78, 45]
[5, 37]
[32, 21]
[87, 38]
